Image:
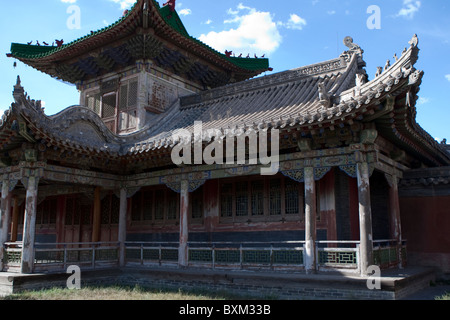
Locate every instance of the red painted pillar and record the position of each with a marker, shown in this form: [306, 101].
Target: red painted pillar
[184, 225]
[365, 218]
[15, 219]
[29, 225]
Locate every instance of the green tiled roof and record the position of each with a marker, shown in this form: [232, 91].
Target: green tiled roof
[173, 19]
[34, 52]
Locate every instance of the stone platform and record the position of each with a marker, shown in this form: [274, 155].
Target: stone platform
[395, 284]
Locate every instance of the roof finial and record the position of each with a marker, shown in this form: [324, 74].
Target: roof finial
[171, 4]
[18, 81]
[348, 41]
[414, 41]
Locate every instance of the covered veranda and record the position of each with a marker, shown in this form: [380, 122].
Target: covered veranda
[27, 185]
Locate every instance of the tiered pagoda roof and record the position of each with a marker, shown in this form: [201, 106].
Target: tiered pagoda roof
[290, 101]
[146, 32]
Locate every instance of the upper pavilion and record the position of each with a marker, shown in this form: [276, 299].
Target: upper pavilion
[140, 64]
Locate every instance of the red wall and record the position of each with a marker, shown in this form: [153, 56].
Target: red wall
[426, 226]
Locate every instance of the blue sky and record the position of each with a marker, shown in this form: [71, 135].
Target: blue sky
[291, 33]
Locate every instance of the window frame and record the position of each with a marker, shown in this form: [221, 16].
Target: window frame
[114, 122]
[142, 198]
[266, 216]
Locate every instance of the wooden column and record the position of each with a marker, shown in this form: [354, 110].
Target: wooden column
[96, 224]
[15, 219]
[122, 225]
[29, 225]
[184, 225]
[310, 221]
[365, 217]
[5, 212]
[394, 213]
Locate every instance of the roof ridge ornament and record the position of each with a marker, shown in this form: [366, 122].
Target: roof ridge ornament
[348, 41]
[171, 4]
[353, 48]
[414, 42]
[324, 96]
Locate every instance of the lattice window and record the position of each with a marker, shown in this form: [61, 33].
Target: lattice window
[110, 210]
[292, 196]
[155, 204]
[261, 198]
[242, 199]
[128, 99]
[93, 102]
[123, 101]
[46, 212]
[197, 204]
[72, 207]
[226, 203]
[275, 197]
[257, 197]
[172, 205]
[109, 106]
[132, 94]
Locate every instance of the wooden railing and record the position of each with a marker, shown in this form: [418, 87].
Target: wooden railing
[248, 255]
[335, 255]
[289, 255]
[389, 253]
[12, 256]
[160, 253]
[89, 255]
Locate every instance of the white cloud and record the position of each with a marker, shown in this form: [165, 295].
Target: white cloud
[331, 12]
[69, 1]
[256, 32]
[447, 76]
[124, 4]
[295, 22]
[209, 21]
[409, 9]
[185, 12]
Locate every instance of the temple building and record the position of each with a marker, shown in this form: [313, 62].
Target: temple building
[352, 179]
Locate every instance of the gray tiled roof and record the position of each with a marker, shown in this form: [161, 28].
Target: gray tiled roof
[255, 103]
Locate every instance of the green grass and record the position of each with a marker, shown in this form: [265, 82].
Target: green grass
[116, 293]
[445, 296]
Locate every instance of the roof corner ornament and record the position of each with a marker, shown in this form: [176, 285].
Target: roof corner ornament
[414, 42]
[171, 4]
[324, 96]
[353, 48]
[18, 92]
[348, 41]
[361, 79]
[379, 72]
